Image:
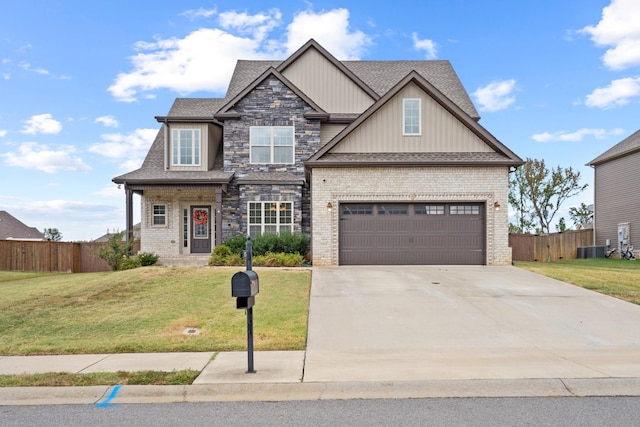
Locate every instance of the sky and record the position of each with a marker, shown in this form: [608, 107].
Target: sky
[81, 82]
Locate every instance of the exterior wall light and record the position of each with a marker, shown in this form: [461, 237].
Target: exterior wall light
[329, 206]
[496, 205]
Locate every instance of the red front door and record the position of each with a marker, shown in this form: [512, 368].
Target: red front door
[200, 229]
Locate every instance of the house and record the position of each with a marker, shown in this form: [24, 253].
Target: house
[13, 229]
[616, 200]
[379, 162]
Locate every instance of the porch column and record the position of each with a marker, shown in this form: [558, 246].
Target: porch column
[129, 214]
[218, 216]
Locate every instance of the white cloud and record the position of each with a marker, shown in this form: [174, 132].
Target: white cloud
[616, 94]
[31, 155]
[205, 59]
[27, 67]
[496, 95]
[429, 46]
[42, 123]
[257, 26]
[618, 28]
[576, 136]
[112, 190]
[131, 147]
[108, 121]
[3, 133]
[199, 13]
[331, 30]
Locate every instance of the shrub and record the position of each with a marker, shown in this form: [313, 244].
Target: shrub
[236, 243]
[129, 263]
[115, 251]
[147, 258]
[279, 260]
[220, 255]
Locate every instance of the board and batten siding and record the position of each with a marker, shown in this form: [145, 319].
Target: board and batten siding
[382, 133]
[617, 200]
[328, 132]
[327, 85]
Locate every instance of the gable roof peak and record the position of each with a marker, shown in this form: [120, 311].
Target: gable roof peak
[314, 45]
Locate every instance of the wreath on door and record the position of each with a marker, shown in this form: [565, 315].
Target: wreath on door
[200, 216]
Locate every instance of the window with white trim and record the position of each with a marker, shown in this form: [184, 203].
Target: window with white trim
[185, 147]
[159, 215]
[271, 144]
[270, 217]
[411, 116]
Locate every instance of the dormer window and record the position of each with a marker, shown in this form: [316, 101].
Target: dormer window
[271, 144]
[411, 117]
[185, 147]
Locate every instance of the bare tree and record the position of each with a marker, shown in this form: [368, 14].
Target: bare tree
[537, 193]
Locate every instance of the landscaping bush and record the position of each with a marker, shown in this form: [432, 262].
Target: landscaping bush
[147, 258]
[129, 263]
[271, 250]
[236, 243]
[116, 251]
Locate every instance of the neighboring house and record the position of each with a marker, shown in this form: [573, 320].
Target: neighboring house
[105, 237]
[380, 162]
[13, 229]
[616, 198]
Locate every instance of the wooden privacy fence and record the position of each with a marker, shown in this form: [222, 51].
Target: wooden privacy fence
[64, 257]
[549, 247]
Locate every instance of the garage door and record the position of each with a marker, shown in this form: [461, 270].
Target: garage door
[412, 234]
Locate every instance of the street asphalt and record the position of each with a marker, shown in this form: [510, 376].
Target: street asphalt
[397, 332]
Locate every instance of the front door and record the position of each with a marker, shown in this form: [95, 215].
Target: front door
[200, 229]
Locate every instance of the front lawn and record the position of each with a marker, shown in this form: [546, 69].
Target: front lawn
[148, 310]
[615, 277]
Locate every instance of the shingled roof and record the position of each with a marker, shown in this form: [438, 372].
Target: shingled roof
[13, 229]
[628, 145]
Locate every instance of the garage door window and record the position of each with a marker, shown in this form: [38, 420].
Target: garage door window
[429, 210]
[464, 210]
[357, 209]
[392, 209]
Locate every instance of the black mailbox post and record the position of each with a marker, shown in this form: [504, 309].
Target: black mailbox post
[244, 286]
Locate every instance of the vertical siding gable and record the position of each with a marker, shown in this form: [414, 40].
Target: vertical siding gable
[616, 201]
[328, 86]
[382, 132]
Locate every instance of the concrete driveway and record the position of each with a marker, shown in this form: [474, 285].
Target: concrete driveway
[440, 323]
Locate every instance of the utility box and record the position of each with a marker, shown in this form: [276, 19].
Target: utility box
[244, 284]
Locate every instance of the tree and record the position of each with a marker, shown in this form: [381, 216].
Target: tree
[561, 226]
[580, 216]
[116, 251]
[537, 193]
[52, 234]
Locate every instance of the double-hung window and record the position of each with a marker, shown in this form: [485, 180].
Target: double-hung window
[270, 217]
[186, 147]
[159, 215]
[272, 144]
[411, 116]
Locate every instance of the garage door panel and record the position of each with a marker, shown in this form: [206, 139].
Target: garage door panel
[419, 234]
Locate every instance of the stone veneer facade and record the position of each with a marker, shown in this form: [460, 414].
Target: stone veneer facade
[409, 184]
[270, 103]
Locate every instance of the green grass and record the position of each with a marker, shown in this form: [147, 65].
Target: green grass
[63, 379]
[147, 309]
[615, 277]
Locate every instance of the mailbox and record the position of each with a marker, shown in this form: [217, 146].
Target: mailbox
[244, 284]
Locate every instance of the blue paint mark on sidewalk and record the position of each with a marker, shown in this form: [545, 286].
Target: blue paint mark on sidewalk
[105, 402]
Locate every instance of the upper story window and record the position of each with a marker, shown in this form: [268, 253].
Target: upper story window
[271, 144]
[185, 147]
[411, 116]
